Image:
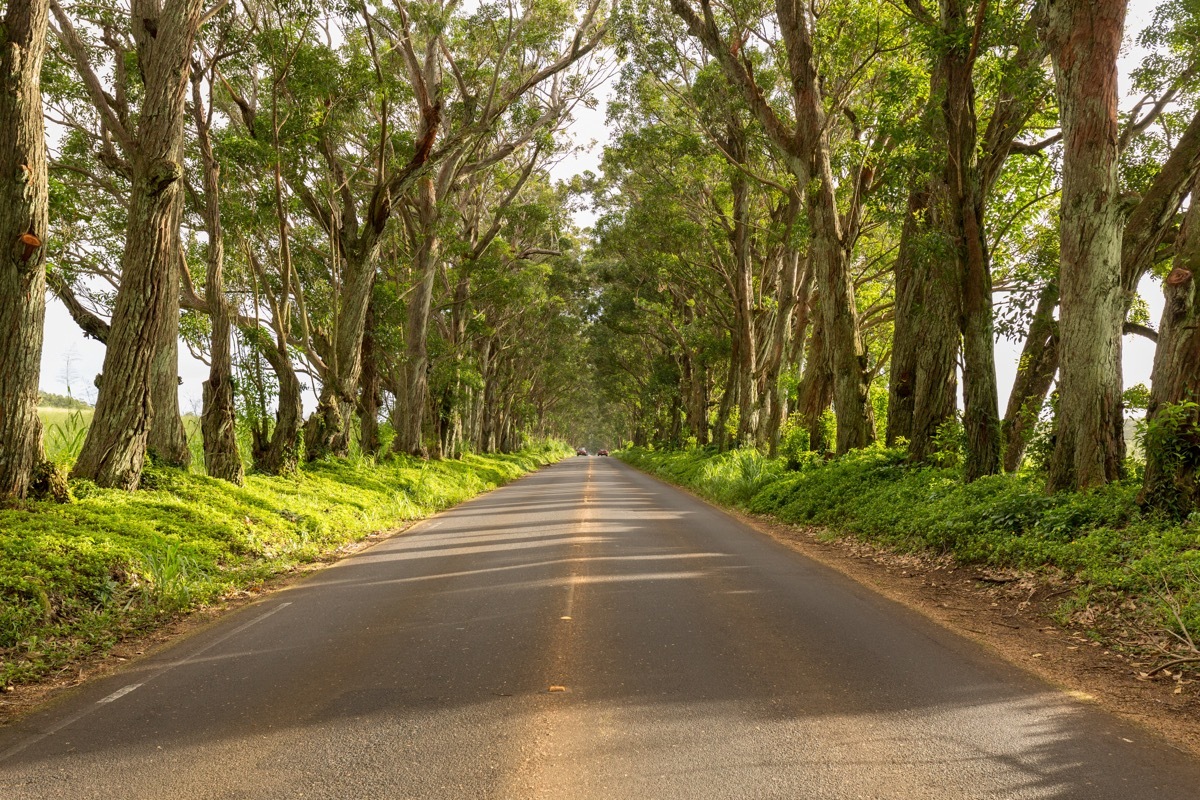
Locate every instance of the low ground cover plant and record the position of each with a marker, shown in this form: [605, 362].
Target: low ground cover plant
[76, 577]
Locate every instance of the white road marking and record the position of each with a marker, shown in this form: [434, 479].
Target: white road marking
[119, 693]
[53, 729]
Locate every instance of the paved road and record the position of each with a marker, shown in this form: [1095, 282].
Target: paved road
[697, 659]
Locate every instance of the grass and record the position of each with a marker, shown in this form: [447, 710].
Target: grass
[1101, 540]
[76, 578]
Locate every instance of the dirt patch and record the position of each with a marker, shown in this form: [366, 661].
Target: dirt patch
[1022, 618]
[16, 701]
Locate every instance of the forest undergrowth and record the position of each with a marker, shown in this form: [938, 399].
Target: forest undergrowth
[76, 578]
[1126, 577]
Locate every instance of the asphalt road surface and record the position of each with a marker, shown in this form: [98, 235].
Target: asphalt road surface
[586, 632]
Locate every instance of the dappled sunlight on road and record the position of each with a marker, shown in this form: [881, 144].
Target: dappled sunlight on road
[1002, 749]
[578, 636]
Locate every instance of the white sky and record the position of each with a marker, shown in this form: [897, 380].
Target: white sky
[70, 360]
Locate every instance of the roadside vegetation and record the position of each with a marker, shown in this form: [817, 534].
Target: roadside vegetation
[77, 577]
[1127, 575]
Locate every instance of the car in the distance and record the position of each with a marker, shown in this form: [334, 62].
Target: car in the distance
[581, 451]
[602, 453]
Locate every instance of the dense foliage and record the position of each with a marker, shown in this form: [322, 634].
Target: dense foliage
[819, 220]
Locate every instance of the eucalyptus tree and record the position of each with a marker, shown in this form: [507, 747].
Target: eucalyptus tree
[524, 316]
[218, 422]
[1085, 42]
[676, 214]
[487, 210]
[515, 77]
[24, 222]
[1170, 77]
[815, 86]
[1172, 479]
[149, 138]
[278, 263]
[986, 88]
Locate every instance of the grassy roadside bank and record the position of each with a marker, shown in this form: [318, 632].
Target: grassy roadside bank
[1129, 578]
[75, 578]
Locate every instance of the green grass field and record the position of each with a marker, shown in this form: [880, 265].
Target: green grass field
[65, 429]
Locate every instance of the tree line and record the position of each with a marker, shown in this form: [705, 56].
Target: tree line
[353, 197]
[816, 218]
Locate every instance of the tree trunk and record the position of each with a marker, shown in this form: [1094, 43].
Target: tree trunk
[935, 379]
[743, 289]
[721, 434]
[1085, 42]
[816, 391]
[1035, 374]
[23, 232]
[1172, 479]
[282, 453]
[848, 357]
[964, 224]
[168, 439]
[115, 448]
[416, 326]
[793, 292]
[218, 423]
[369, 398]
[908, 330]
[929, 349]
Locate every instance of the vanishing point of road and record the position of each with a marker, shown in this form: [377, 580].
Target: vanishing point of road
[586, 632]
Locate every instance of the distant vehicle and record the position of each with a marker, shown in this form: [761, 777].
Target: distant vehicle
[581, 451]
[603, 453]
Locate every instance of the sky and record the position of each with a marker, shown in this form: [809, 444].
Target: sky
[71, 361]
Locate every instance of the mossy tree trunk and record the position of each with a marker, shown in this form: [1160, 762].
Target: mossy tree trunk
[24, 222]
[1035, 374]
[114, 452]
[218, 424]
[1172, 479]
[963, 222]
[1085, 41]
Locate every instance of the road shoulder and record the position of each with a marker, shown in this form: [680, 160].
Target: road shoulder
[1010, 614]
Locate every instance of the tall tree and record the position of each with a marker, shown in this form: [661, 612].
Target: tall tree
[1172, 479]
[1084, 37]
[218, 422]
[114, 451]
[805, 147]
[24, 222]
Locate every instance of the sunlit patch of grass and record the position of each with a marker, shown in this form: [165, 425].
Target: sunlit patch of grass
[64, 431]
